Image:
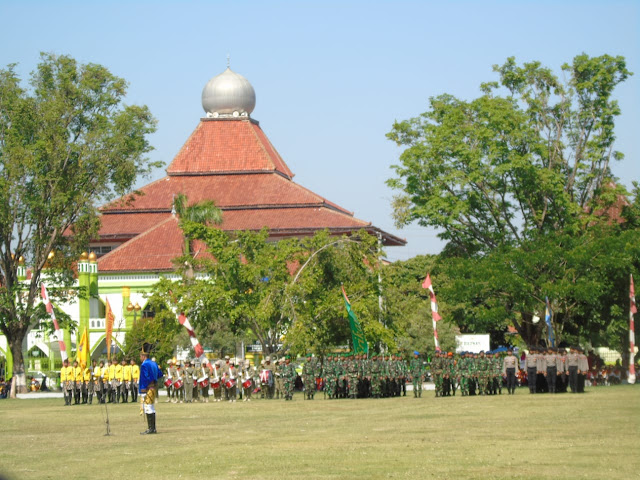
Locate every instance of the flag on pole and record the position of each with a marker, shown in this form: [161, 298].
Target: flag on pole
[632, 330]
[184, 321]
[551, 339]
[360, 344]
[108, 325]
[57, 332]
[83, 349]
[435, 316]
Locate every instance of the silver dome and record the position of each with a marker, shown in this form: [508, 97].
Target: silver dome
[228, 94]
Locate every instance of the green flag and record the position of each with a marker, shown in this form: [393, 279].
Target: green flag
[357, 335]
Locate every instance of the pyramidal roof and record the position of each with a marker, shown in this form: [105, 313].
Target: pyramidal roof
[227, 159]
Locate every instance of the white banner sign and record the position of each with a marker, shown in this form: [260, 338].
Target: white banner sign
[472, 343]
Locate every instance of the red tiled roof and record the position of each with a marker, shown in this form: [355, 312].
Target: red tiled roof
[152, 250]
[227, 145]
[228, 191]
[231, 162]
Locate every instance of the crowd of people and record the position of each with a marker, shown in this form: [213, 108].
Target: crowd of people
[110, 382]
[338, 376]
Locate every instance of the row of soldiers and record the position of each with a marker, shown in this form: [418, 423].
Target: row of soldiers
[474, 373]
[111, 382]
[355, 376]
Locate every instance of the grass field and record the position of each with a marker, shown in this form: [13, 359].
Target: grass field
[522, 436]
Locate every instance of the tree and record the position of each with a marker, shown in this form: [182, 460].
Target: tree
[251, 283]
[514, 179]
[408, 307]
[66, 144]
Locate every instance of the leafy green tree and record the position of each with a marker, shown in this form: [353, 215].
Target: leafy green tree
[251, 283]
[408, 307]
[519, 183]
[67, 143]
[162, 328]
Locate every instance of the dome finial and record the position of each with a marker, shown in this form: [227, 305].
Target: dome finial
[228, 95]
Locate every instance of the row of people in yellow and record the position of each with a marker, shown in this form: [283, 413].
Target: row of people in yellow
[109, 382]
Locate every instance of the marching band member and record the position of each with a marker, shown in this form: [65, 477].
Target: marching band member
[248, 373]
[126, 384]
[77, 382]
[135, 378]
[203, 381]
[112, 381]
[216, 382]
[97, 381]
[230, 381]
[119, 380]
[66, 382]
[87, 385]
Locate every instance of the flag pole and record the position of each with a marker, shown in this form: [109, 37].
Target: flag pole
[632, 309]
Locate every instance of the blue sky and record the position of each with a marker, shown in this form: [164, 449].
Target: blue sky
[330, 77]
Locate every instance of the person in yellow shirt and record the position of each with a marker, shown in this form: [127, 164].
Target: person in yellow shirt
[126, 377]
[77, 382]
[135, 378]
[106, 386]
[119, 380]
[97, 381]
[112, 381]
[87, 385]
[66, 382]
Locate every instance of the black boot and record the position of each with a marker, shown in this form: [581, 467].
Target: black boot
[151, 424]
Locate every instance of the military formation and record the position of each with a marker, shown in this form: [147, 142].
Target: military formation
[336, 376]
[109, 382]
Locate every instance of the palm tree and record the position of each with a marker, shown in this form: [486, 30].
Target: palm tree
[205, 212]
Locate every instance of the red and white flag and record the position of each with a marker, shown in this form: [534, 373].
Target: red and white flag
[434, 309]
[184, 321]
[632, 333]
[57, 333]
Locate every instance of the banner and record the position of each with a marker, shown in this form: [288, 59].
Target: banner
[197, 348]
[82, 355]
[551, 339]
[58, 333]
[360, 344]
[108, 325]
[632, 330]
[435, 316]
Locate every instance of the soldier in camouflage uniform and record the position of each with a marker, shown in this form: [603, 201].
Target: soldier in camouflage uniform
[289, 375]
[374, 371]
[352, 376]
[279, 377]
[436, 373]
[482, 373]
[464, 369]
[309, 377]
[327, 376]
[416, 371]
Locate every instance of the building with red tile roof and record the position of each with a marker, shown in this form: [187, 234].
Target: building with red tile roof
[230, 160]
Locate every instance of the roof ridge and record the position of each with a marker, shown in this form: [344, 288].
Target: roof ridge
[254, 129]
[325, 201]
[132, 193]
[200, 123]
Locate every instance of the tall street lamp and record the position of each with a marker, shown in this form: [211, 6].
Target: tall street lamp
[135, 309]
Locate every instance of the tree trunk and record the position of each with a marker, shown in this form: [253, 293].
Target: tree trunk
[19, 381]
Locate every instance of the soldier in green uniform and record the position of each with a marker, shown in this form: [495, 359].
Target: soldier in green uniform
[416, 371]
[482, 374]
[436, 372]
[309, 377]
[463, 371]
[289, 375]
[352, 376]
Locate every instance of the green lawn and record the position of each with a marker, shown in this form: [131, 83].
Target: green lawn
[594, 435]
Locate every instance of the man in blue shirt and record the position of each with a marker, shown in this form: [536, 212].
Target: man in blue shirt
[150, 373]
